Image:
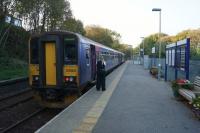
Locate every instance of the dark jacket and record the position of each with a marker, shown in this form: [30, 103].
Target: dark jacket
[100, 67]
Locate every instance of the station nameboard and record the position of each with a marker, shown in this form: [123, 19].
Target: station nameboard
[153, 50]
[13, 21]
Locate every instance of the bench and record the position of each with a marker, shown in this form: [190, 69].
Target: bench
[191, 94]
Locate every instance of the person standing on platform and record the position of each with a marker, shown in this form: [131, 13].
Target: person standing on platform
[101, 74]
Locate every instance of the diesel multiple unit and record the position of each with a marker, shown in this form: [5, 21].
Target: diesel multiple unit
[61, 63]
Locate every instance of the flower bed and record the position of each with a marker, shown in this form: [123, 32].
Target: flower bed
[180, 83]
[196, 107]
[185, 84]
[154, 71]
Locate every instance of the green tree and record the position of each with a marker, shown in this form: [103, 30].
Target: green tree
[194, 36]
[73, 25]
[108, 38]
[43, 15]
[150, 42]
[99, 34]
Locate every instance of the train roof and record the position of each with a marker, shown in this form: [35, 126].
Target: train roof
[86, 40]
[81, 38]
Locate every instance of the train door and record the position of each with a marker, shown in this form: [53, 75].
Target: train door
[93, 62]
[50, 63]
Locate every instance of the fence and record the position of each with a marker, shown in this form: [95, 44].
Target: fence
[194, 69]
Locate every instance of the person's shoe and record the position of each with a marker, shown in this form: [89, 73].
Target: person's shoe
[98, 90]
[103, 89]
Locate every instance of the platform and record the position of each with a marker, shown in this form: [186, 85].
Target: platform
[134, 102]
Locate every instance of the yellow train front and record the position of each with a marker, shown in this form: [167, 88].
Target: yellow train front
[62, 63]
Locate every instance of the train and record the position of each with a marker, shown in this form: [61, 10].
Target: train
[62, 63]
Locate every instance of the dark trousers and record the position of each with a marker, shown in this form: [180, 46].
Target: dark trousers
[101, 81]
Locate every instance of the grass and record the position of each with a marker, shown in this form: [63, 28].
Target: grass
[12, 68]
[9, 73]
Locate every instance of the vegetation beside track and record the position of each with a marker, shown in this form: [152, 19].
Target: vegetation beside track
[12, 68]
[13, 51]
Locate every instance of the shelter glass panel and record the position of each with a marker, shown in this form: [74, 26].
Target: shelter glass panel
[182, 54]
[167, 54]
[173, 57]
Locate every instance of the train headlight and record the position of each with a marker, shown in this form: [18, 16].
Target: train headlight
[71, 79]
[36, 78]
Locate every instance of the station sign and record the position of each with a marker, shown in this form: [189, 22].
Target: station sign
[13, 21]
[153, 50]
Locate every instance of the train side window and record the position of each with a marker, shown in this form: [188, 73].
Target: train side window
[87, 56]
[34, 51]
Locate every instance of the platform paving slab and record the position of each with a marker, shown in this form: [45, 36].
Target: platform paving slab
[142, 104]
[97, 109]
[72, 117]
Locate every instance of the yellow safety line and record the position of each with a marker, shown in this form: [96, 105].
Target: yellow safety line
[95, 112]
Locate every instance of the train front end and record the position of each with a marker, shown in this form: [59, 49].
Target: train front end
[53, 68]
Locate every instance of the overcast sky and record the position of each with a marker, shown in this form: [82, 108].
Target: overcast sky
[134, 18]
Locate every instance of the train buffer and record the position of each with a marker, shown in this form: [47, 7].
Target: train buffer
[134, 102]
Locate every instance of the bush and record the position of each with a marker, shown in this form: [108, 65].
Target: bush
[13, 51]
[175, 88]
[196, 106]
[196, 102]
[154, 71]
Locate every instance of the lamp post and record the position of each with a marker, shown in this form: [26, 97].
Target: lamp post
[140, 54]
[159, 65]
[131, 48]
[143, 48]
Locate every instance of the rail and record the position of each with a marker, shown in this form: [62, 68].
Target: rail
[22, 120]
[13, 81]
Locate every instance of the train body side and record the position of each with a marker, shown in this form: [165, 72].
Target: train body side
[89, 55]
[62, 63]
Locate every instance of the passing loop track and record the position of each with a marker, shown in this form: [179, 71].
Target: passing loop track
[15, 94]
[16, 98]
[18, 123]
[13, 81]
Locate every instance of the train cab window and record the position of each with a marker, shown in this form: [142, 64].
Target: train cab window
[34, 51]
[70, 50]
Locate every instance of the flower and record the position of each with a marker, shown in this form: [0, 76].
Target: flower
[183, 81]
[196, 102]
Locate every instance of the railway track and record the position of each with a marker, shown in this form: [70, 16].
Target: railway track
[15, 99]
[13, 81]
[17, 108]
[13, 92]
[20, 112]
[12, 86]
[18, 123]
